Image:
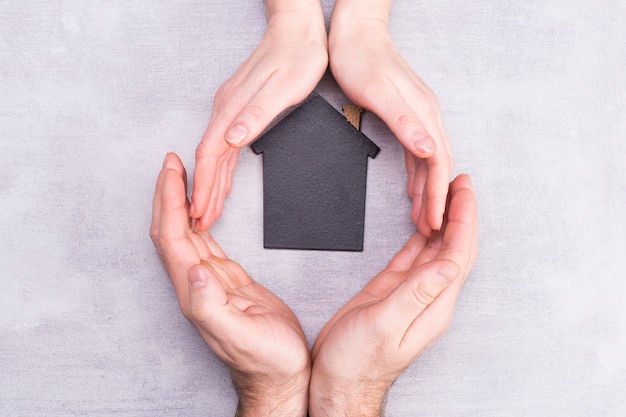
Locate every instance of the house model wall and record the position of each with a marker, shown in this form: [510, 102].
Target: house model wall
[314, 180]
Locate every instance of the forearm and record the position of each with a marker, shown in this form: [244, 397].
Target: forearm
[344, 406]
[266, 409]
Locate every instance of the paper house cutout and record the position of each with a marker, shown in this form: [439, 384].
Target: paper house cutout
[314, 180]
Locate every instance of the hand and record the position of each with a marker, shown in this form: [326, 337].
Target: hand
[398, 314]
[371, 72]
[281, 72]
[250, 329]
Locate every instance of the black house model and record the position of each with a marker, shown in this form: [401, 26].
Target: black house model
[314, 180]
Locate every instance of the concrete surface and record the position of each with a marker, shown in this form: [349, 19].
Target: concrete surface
[93, 94]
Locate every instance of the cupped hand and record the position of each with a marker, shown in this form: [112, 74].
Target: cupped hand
[398, 314]
[371, 72]
[281, 72]
[250, 329]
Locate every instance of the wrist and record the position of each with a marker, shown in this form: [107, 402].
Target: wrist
[360, 398]
[358, 21]
[266, 396]
[347, 11]
[303, 11]
[297, 20]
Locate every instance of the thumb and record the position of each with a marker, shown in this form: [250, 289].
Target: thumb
[207, 295]
[254, 118]
[406, 126]
[412, 134]
[266, 104]
[405, 304]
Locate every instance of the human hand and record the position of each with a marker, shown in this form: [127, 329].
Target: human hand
[399, 313]
[281, 72]
[371, 72]
[250, 329]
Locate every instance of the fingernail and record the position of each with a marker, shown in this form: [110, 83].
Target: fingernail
[192, 209]
[197, 277]
[236, 134]
[424, 144]
[447, 273]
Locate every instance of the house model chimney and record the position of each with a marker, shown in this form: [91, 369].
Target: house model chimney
[352, 112]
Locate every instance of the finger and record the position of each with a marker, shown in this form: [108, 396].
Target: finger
[436, 190]
[219, 187]
[212, 148]
[174, 218]
[213, 151]
[414, 132]
[429, 253]
[213, 246]
[432, 322]
[415, 294]
[465, 182]
[225, 327]
[156, 206]
[240, 118]
[404, 259]
[419, 179]
[209, 155]
[230, 272]
[409, 162]
[176, 250]
[424, 103]
[170, 162]
[173, 162]
[227, 277]
[418, 215]
[230, 171]
[443, 133]
[461, 231]
[225, 184]
[207, 296]
[403, 122]
[270, 100]
[418, 209]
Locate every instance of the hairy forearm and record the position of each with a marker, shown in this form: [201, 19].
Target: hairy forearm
[278, 409]
[362, 398]
[264, 397]
[344, 407]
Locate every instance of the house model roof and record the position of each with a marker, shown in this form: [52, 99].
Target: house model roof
[314, 180]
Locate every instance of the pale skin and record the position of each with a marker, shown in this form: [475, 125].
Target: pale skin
[250, 329]
[360, 352]
[282, 71]
[372, 73]
[396, 316]
[295, 52]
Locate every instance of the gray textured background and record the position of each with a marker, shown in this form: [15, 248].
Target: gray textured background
[94, 93]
